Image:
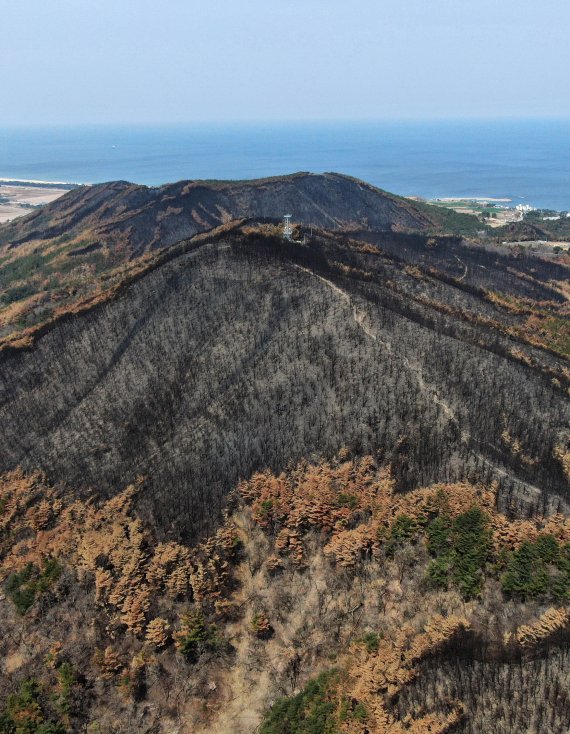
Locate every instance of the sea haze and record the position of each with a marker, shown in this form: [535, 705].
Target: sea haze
[524, 160]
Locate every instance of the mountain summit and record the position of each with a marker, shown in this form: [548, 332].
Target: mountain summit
[148, 218]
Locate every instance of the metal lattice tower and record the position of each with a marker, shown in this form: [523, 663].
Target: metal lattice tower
[287, 228]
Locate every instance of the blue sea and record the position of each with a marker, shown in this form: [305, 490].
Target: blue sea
[527, 161]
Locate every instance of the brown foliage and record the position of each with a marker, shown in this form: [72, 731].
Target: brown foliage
[375, 678]
[109, 662]
[352, 504]
[562, 453]
[343, 510]
[109, 545]
[547, 625]
[158, 632]
[261, 626]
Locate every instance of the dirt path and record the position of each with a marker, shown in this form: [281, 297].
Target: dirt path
[358, 315]
[415, 369]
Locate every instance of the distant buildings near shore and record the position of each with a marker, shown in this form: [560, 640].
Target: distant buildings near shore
[550, 217]
[498, 212]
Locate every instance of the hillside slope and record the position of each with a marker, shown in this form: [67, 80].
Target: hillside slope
[88, 240]
[146, 218]
[257, 485]
[242, 352]
[326, 603]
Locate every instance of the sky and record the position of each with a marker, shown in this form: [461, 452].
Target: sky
[178, 61]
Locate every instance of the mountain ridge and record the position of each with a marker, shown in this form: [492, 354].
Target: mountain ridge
[182, 209]
[250, 483]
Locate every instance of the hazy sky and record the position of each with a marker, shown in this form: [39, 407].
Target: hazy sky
[92, 61]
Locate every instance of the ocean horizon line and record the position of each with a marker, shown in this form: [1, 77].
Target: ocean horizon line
[524, 160]
[280, 122]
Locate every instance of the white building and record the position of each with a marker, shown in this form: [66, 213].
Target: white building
[525, 208]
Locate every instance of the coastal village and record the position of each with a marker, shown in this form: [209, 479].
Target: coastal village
[496, 212]
[499, 212]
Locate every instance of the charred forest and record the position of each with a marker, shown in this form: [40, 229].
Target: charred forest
[248, 454]
[247, 353]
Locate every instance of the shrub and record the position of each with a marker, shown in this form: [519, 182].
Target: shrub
[403, 528]
[23, 586]
[195, 636]
[158, 632]
[261, 626]
[359, 712]
[561, 584]
[21, 589]
[347, 500]
[438, 534]
[371, 641]
[524, 577]
[526, 574]
[471, 548]
[546, 548]
[17, 293]
[65, 681]
[24, 713]
[461, 548]
[312, 711]
[438, 573]
[351, 709]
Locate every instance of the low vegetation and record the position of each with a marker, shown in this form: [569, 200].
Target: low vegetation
[462, 547]
[24, 586]
[315, 710]
[28, 712]
[317, 574]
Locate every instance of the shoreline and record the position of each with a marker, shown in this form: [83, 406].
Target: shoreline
[40, 184]
[450, 199]
[21, 198]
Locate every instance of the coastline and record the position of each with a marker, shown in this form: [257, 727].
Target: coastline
[20, 198]
[449, 199]
[42, 184]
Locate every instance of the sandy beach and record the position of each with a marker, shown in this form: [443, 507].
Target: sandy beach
[17, 200]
